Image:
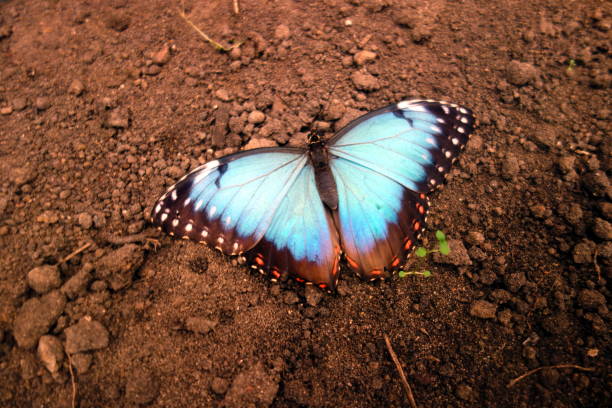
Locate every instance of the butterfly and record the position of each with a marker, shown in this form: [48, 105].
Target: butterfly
[295, 211]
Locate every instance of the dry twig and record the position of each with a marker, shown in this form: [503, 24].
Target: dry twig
[72, 380]
[535, 370]
[75, 253]
[215, 44]
[236, 7]
[400, 370]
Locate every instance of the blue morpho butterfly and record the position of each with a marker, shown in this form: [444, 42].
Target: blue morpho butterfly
[294, 211]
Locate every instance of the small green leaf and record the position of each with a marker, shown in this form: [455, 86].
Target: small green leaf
[440, 236]
[427, 274]
[402, 274]
[444, 248]
[421, 252]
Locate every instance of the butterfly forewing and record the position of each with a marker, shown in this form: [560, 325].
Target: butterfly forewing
[230, 203]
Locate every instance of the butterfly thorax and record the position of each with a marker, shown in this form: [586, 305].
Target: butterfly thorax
[319, 156]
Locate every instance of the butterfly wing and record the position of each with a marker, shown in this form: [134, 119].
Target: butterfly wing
[302, 240]
[263, 201]
[383, 164]
[230, 203]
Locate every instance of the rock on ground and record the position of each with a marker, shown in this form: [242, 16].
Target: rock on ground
[86, 335]
[44, 278]
[36, 317]
[253, 386]
[51, 352]
[119, 266]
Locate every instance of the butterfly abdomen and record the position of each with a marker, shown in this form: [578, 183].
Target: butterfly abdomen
[324, 178]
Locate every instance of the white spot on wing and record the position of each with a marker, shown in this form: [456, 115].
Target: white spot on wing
[212, 211]
[445, 109]
[460, 129]
[174, 196]
[175, 222]
[164, 217]
[464, 120]
[157, 208]
[431, 141]
[228, 220]
[455, 141]
[204, 233]
[188, 227]
[463, 110]
[440, 120]
[435, 128]
[220, 240]
[235, 246]
[199, 204]
[448, 154]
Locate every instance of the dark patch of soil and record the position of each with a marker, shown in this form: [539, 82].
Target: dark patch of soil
[104, 104]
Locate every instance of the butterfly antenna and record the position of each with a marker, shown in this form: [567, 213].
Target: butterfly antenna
[315, 136]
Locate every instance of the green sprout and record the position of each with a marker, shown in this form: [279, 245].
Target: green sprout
[422, 252]
[571, 65]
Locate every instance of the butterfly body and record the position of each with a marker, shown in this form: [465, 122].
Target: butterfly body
[294, 211]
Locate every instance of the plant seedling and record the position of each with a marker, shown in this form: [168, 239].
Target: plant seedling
[422, 252]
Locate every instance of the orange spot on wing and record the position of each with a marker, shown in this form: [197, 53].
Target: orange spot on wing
[422, 196]
[376, 272]
[322, 286]
[421, 209]
[300, 280]
[259, 260]
[352, 263]
[417, 226]
[276, 273]
[407, 244]
[395, 262]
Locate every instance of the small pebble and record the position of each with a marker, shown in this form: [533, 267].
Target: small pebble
[583, 252]
[591, 299]
[86, 335]
[515, 281]
[81, 362]
[44, 278]
[313, 295]
[20, 103]
[483, 309]
[252, 387]
[602, 229]
[50, 352]
[162, 56]
[36, 317]
[76, 87]
[42, 103]
[118, 119]
[199, 324]
[219, 385]
[464, 392]
[223, 95]
[256, 117]
[521, 73]
[282, 32]
[364, 81]
[364, 57]
[85, 220]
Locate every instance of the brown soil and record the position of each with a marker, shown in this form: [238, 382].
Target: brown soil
[103, 104]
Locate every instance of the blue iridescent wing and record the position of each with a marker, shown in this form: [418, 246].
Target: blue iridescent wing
[263, 202]
[229, 203]
[302, 240]
[383, 164]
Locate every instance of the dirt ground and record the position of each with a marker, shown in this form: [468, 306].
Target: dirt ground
[104, 104]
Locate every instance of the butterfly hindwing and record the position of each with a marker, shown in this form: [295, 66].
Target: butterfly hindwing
[378, 218]
[302, 240]
[230, 203]
[384, 163]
